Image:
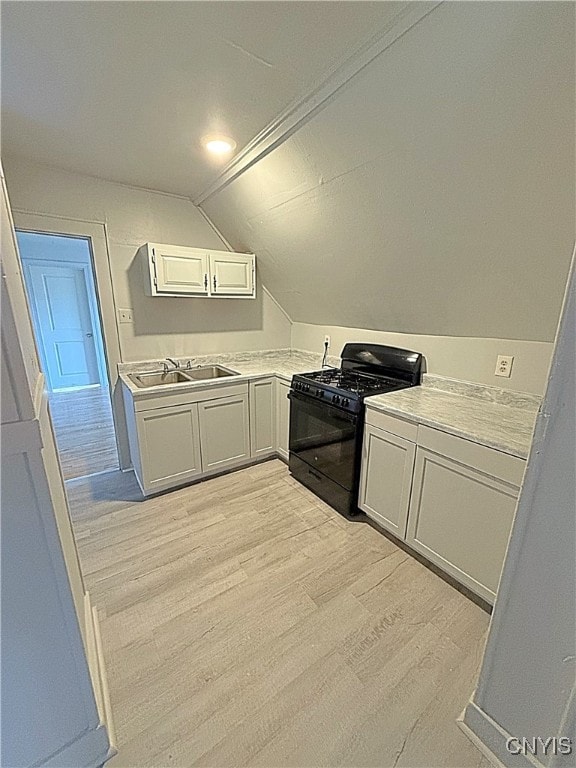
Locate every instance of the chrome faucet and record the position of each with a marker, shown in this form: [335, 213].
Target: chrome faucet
[174, 363]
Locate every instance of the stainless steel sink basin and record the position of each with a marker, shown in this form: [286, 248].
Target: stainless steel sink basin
[156, 378]
[179, 376]
[209, 372]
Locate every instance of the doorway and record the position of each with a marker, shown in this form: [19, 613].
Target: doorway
[59, 281]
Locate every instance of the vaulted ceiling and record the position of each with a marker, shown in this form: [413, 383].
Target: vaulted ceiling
[435, 193]
[402, 167]
[125, 90]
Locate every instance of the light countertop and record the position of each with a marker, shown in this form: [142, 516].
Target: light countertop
[249, 366]
[490, 416]
[484, 415]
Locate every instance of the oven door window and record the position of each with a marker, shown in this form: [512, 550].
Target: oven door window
[324, 437]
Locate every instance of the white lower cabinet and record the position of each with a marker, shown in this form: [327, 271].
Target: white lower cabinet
[224, 432]
[263, 418]
[169, 446]
[179, 438]
[386, 478]
[282, 418]
[463, 502]
[450, 499]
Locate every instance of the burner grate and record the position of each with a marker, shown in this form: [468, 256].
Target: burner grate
[359, 384]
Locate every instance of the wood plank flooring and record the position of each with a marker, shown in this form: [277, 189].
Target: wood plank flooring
[245, 623]
[84, 431]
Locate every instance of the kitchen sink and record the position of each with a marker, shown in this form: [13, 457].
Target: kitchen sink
[156, 378]
[209, 372]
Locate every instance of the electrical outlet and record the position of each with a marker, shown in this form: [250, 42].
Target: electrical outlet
[327, 340]
[504, 366]
[125, 316]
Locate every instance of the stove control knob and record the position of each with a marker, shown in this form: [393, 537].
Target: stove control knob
[345, 402]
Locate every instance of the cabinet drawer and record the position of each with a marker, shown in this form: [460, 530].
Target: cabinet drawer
[392, 424]
[489, 460]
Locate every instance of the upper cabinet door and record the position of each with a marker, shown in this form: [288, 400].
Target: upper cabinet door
[232, 274]
[180, 270]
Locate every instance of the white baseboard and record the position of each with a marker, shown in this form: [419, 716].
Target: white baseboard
[491, 739]
[95, 656]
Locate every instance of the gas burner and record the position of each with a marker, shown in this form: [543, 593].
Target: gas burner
[350, 381]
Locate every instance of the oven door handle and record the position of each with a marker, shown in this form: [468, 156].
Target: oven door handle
[307, 400]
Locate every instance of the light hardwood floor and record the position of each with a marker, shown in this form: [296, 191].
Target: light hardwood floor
[245, 623]
[84, 431]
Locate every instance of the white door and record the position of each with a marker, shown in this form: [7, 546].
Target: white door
[386, 478]
[460, 518]
[169, 442]
[282, 418]
[224, 432]
[232, 274]
[61, 315]
[262, 417]
[180, 270]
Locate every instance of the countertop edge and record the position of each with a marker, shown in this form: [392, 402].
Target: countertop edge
[450, 430]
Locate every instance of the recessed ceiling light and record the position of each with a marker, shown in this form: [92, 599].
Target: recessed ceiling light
[218, 145]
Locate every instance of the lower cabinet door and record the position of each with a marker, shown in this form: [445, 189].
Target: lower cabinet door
[386, 479]
[282, 418]
[224, 432]
[169, 443]
[460, 519]
[262, 417]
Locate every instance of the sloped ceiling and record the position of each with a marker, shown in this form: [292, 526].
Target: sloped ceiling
[435, 193]
[125, 90]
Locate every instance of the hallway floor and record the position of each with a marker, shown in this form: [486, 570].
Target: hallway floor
[84, 431]
[246, 623]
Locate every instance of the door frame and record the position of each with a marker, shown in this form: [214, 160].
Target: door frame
[92, 308]
[96, 234]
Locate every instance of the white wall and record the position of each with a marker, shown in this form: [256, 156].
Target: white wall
[434, 193]
[162, 326]
[458, 357]
[177, 327]
[527, 681]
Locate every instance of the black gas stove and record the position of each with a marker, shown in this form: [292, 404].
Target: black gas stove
[327, 417]
[344, 388]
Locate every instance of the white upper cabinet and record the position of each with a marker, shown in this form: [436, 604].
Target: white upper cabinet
[180, 270]
[174, 270]
[232, 274]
